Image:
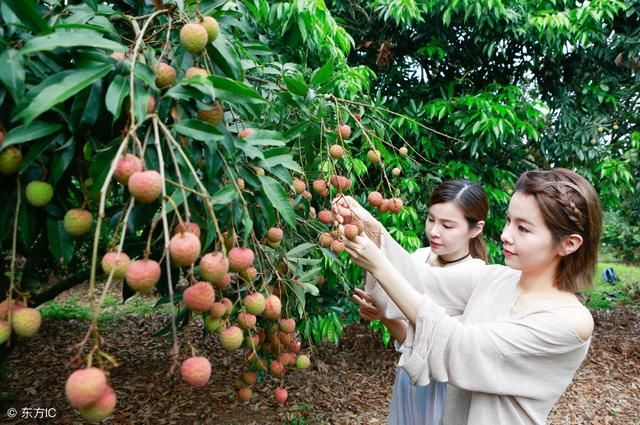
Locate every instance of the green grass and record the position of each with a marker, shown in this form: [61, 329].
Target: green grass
[604, 296]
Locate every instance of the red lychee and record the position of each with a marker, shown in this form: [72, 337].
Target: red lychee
[250, 274]
[112, 260]
[340, 182]
[277, 368]
[350, 231]
[280, 394]
[288, 325]
[184, 248]
[272, 307]
[240, 259]
[196, 371]
[212, 116]
[214, 266]
[165, 75]
[337, 246]
[145, 186]
[344, 131]
[245, 394]
[275, 234]
[375, 199]
[190, 227]
[199, 297]
[336, 151]
[396, 205]
[77, 221]
[142, 275]
[127, 165]
[325, 240]
[325, 216]
[299, 186]
[246, 132]
[319, 186]
[231, 338]
[101, 409]
[84, 387]
[246, 320]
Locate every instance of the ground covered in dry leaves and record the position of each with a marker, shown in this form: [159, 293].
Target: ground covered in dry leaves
[347, 384]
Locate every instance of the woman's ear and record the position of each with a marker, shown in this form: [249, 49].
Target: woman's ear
[569, 245]
[477, 229]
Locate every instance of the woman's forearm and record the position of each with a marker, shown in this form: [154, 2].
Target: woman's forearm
[399, 290]
[397, 328]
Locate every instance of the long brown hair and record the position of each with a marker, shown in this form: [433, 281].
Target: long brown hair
[472, 200]
[569, 205]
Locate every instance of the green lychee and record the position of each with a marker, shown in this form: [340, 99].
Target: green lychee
[77, 221]
[10, 159]
[212, 27]
[193, 37]
[39, 193]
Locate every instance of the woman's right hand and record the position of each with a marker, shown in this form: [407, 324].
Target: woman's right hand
[368, 309]
[345, 206]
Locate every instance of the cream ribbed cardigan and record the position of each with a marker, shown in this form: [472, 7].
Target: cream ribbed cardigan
[502, 368]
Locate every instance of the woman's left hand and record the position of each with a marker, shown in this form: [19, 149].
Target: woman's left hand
[365, 253]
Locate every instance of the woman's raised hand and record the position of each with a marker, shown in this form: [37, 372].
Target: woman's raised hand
[346, 207]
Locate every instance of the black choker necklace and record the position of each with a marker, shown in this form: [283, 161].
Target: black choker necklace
[454, 261]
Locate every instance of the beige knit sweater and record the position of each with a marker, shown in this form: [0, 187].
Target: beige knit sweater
[502, 368]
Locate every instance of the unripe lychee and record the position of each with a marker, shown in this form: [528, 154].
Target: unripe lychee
[228, 304]
[39, 193]
[319, 186]
[350, 231]
[396, 205]
[112, 260]
[218, 310]
[254, 303]
[127, 165]
[250, 378]
[272, 307]
[145, 186]
[337, 246]
[10, 159]
[84, 387]
[375, 199]
[244, 394]
[277, 368]
[250, 274]
[4, 308]
[303, 362]
[212, 116]
[396, 171]
[244, 133]
[184, 248]
[240, 183]
[275, 234]
[340, 182]
[5, 331]
[77, 221]
[344, 131]
[196, 371]
[165, 75]
[199, 297]
[240, 259]
[280, 394]
[403, 151]
[299, 186]
[213, 324]
[142, 275]
[373, 156]
[231, 338]
[288, 325]
[26, 321]
[325, 240]
[213, 267]
[325, 216]
[336, 151]
[193, 37]
[246, 320]
[195, 71]
[211, 26]
[223, 283]
[102, 409]
[190, 227]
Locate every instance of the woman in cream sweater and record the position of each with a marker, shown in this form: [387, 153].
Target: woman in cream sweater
[523, 332]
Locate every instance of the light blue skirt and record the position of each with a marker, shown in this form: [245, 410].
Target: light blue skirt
[411, 405]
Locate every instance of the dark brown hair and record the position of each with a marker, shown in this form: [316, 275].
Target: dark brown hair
[472, 200]
[569, 205]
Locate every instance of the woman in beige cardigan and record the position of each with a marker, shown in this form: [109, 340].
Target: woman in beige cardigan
[523, 332]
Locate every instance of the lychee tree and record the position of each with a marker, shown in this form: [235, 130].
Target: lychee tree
[178, 149]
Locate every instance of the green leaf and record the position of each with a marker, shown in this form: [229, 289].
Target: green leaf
[266, 138]
[61, 161]
[61, 91]
[322, 75]
[198, 130]
[12, 73]
[301, 250]
[223, 54]
[234, 91]
[296, 85]
[226, 195]
[26, 11]
[61, 243]
[279, 199]
[27, 133]
[70, 39]
[117, 91]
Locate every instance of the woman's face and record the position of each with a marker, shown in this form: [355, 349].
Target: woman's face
[448, 231]
[527, 242]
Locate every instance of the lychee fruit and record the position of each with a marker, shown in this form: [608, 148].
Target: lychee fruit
[165, 75]
[246, 320]
[5, 331]
[231, 338]
[245, 394]
[325, 216]
[325, 240]
[184, 248]
[84, 387]
[299, 186]
[307, 195]
[196, 371]
[357, 116]
[250, 378]
[396, 171]
[254, 303]
[403, 151]
[344, 131]
[10, 159]
[4, 308]
[288, 325]
[385, 206]
[375, 199]
[223, 283]
[145, 186]
[250, 274]
[272, 307]
[303, 362]
[294, 346]
[319, 186]
[351, 231]
[277, 368]
[337, 246]
[246, 132]
[395, 205]
[214, 266]
[26, 321]
[336, 151]
[190, 227]
[340, 182]
[127, 165]
[213, 324]
[212, 116]
[373, 156]
[258, 170]
[193, 37]
[275, 234]
[240, 259]
[280, 394]
[199, 297]
[240, 183]
[39, 193]
[77, 221]
[228, 305]
[102, 409]
[112, 260]
[218, 310]
[143, 275]
[194, 71]
[212, 27]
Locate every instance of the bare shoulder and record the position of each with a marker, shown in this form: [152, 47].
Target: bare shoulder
[579, 318]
